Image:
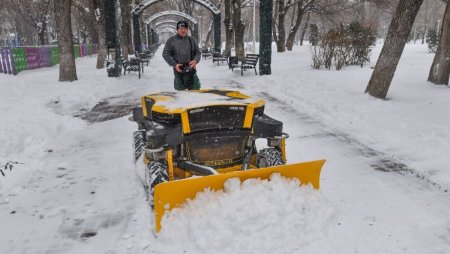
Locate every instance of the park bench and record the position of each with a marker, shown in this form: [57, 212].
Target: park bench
[145, 58]
[217, 57]
[206, 52]
[248, 63]
[134, 64]
[150, 53]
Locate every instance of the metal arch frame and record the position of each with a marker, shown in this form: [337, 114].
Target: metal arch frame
[265, 24]
[194, 29]
[156, 24]
[138, 9]
[165, 30]
[167, 13]
[168, 25]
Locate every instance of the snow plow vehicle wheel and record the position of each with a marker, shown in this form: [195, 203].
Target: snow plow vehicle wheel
[157, 173]
[269, 157]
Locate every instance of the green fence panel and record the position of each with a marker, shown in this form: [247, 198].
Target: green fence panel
[90, 52]
[54, 56]
[20, 59]
[76, 51]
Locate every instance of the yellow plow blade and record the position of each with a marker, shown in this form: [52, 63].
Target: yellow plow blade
[173, 194]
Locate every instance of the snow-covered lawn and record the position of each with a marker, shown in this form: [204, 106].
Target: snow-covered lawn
[384, 189]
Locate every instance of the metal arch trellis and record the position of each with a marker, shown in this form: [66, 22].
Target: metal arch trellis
[165, 30]
[148, 23]
[171, 21]
[265, 25]
[163, 26]
[167, 25]
[167, 13]
[138, 9]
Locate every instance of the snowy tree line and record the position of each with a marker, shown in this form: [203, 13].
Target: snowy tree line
[41, 22]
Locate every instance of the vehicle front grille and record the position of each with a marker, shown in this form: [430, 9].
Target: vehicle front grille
[168, 119]
[217, 117]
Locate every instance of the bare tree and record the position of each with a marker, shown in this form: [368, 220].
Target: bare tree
[125, 28]
[304, 29]
[186, 6]
[84, 17]
[239, 29]
[35, 14]
[67, 68]
[98, 9]
[279, 31]
[393, 47]
[440, 68]
[302, 7]
[229, 29]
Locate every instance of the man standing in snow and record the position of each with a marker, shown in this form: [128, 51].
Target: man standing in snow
[182, 53]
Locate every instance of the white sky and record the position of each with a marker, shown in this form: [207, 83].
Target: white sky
[77, 178]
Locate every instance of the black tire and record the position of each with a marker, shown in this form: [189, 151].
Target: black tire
[138, 144]
[157, 173]
[269, 157]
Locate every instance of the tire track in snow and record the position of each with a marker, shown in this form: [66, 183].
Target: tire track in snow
[381, 161]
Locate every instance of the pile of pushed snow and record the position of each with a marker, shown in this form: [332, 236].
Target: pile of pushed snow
[257, 216]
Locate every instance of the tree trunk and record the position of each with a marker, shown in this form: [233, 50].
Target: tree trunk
[239, 29]
[208, 35]
[100, 10]
[399, 30]
[229, 31]
[274, 23]
[425, 30]
[93, 25]
[304, 29]
[281, 42]
[43, 32]
[125, 11]
[67, 68]
[440, 68]
[298, 21]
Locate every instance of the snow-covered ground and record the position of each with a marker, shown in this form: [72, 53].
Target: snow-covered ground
[384, 189]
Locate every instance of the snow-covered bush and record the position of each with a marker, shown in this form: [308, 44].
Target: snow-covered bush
[347, 45]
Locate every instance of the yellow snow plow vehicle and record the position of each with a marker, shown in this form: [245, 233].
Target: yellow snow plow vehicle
[191, 140]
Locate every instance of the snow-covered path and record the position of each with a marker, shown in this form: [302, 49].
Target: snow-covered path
[77, 192]
[378, 209]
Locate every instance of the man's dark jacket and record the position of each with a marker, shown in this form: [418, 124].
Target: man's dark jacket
[181, 50]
